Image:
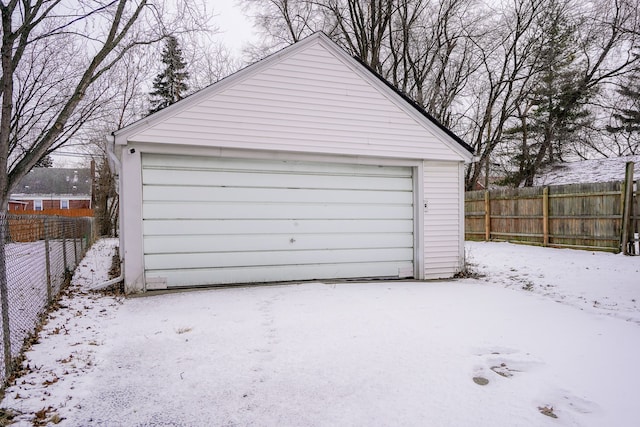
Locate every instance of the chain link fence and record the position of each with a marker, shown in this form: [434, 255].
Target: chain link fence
[38, 255]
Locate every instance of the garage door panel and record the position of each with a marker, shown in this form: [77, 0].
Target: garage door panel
[189, 163]
[273, 242]
[201, 277]
[273, 258]
[259, 179]
[259, 211]
[212, 227]
[218, 220]
[274, 195]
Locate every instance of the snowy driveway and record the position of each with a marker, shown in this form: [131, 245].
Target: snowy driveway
[352, 354]
[384, 354]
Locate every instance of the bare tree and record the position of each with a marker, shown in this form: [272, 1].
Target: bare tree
[60, 63]
[208, 59]
[362, 27]
[283, 22]
[359, 26]
[504, 79]
[422, 46]
[600, 54]
[479, 68]
[433, 51]
[33, 33]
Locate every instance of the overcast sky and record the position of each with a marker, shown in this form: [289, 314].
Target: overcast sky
[236, 29]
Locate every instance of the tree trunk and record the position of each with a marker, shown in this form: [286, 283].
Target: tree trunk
[6, 54]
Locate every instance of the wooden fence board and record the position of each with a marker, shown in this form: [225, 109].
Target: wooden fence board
[576, 215]
[74, 213]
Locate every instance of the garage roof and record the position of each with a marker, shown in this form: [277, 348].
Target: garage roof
[353, 94]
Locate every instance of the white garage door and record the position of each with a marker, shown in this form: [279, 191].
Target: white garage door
[220, 221]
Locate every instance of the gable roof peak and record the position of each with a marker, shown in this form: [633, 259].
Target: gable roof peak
[317, 38]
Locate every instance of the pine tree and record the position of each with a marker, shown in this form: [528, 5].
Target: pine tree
[44, 162]
[554, 110]
[169, 86]
[628, 117]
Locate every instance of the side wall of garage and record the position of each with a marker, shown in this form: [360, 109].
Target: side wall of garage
[443, 219]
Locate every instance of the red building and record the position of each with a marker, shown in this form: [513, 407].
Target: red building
[53, 188]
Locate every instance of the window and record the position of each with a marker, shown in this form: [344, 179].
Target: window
[64, 203]
[37, 205]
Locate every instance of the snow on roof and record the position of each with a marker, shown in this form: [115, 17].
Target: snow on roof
[55, 181]
[587, 171]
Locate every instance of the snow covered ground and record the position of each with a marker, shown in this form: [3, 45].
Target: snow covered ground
[544, 333]
[27, 282]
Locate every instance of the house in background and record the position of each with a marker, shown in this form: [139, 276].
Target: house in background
[45, 189]
[15, 205]
[588, 171]
[305, 165]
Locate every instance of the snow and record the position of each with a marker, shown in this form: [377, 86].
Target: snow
[597, 282]
[27, 282]
[376, 353]
[595, 170]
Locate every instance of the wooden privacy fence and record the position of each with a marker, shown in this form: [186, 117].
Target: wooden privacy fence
[73, 213]
[581, 216]
[25, 226]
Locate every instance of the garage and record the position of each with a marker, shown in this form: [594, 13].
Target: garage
[224, 220]
[306, 165]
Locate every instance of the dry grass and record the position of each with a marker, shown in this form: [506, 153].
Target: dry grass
[6, 417]
[548, 411]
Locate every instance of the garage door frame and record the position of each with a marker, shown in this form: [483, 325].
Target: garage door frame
[131, 164]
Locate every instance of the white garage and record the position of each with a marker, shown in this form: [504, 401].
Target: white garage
[303, 166]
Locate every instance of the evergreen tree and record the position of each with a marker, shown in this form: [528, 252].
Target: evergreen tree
[628, 117]
[555, 108]
[169, 86]
[44, 162]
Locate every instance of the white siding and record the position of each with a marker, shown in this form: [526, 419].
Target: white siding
[443, 238]
[224, 220]
[311, 100]
[131, 220]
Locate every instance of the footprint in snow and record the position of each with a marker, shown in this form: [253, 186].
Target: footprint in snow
[504, 362]
[503, 370]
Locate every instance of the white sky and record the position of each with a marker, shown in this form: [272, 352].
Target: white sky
[236, 29]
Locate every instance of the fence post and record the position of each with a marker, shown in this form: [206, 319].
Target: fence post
[75, 243]
[545, 216]
[4, 294]
[626, 212]
[85, 237]
[64, 243]
[636, 213]
[47, 254]
[487, 216]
